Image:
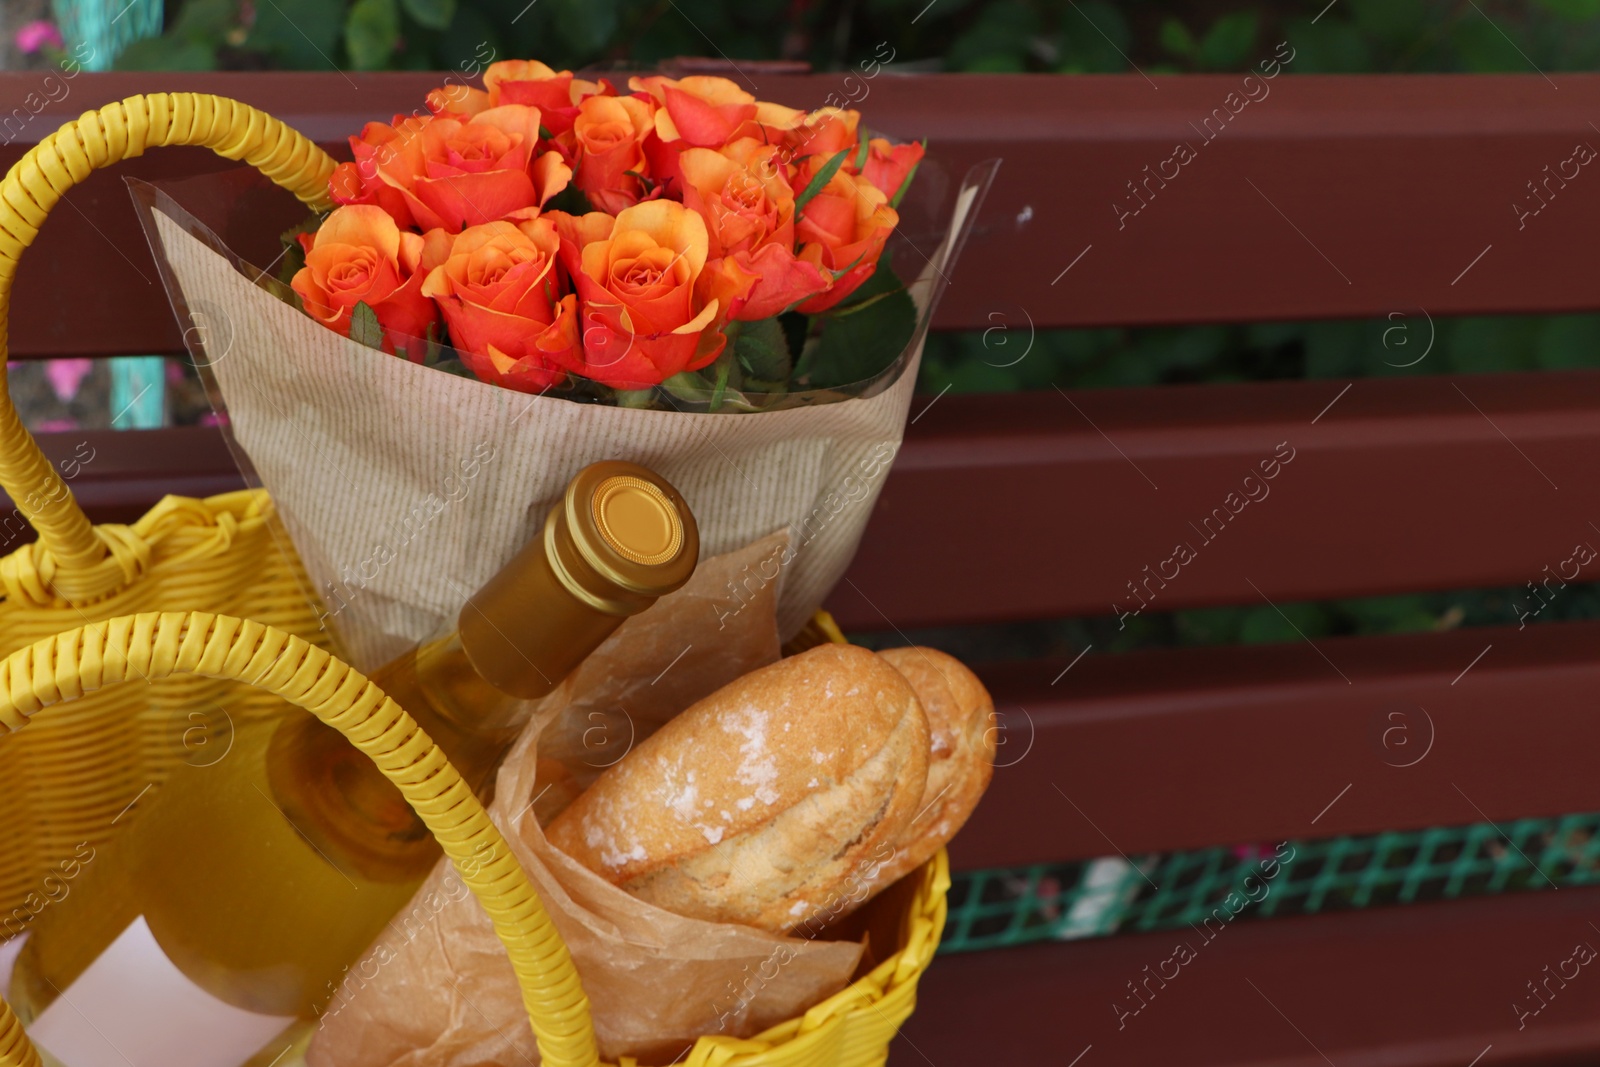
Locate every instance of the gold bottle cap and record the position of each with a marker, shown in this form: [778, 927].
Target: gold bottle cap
[636, 519]
[621, 537]
[622, 534]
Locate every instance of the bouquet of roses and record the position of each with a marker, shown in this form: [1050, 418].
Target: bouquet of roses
[674, 273]
[558, 233]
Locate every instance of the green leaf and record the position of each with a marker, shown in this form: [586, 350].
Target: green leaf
[820, 182]
[1329, 47]
[205, 21]
[1398, 23]
[434, 14]
[1489, 343]
[1572, 9]
[762, 351]
[1285, 623]
[294, 254]
[882, 280]
[1002, 36]
[796, 327]
[996, 63]
[371, 33]
[1227, 44]
[1176, 38]
[1211, 626]
[571, 200]
[689, 386]
[642, 398]
[364, 326]
[855, 347]
[1486, 49]
[1335, 349]
[469, 44]
[1569, 341]
[299, 34]
[433, 352]
[191, 42]
[1095, 39]
[587, 26]
[166, 53]
[905, 186]
[724, 366]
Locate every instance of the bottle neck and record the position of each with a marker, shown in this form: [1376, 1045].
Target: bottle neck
[470, 719]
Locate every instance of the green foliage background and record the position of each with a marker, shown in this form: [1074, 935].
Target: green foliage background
[1059, 36]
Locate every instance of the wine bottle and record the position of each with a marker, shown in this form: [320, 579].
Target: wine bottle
[225, 915]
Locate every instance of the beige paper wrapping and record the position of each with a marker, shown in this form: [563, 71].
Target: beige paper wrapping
[441, 992]
[404, 488]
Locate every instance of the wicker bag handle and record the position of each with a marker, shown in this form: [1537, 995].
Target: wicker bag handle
[152, 646]
[88, 563]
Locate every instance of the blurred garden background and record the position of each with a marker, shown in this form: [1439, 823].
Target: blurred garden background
[973, 36]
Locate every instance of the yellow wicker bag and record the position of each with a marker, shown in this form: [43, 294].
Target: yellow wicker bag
[93, 756]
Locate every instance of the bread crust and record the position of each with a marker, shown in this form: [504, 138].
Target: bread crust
[758, 803]
[960, 716]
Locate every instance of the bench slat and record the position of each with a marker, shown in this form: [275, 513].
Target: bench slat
[1403, 485]
[1422, 986]
[1013, 506]
[1188, 748]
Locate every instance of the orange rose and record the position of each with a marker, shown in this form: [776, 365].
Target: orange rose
[500, 293]
[695, 112]
[527, 81]
[647, 309]
[608, 136]
[359, 256]
[843, 230]
[520, 81]
[454, 172]
[456, 101]
[774, 123]
[347, 186]
[819, 137]
[701, 111]
[748, 206]
[889, 166]
[556, 94]
[380, 145]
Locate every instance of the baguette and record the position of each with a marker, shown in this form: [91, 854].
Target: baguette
[962, 749]
[765, 800]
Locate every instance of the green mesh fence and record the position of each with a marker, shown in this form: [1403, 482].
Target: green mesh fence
[1061, 901]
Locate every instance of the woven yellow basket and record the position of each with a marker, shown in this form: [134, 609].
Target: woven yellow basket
[79, 767]
[72, 778]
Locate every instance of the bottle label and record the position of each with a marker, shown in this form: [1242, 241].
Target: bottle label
[132, 1007]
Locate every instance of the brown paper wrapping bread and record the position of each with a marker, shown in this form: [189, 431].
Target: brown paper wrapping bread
[438, 991]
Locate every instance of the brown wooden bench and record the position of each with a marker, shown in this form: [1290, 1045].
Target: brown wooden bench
[1336, 197]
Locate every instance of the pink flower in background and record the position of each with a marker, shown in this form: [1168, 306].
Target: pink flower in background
[38, 34]
[66, 375]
